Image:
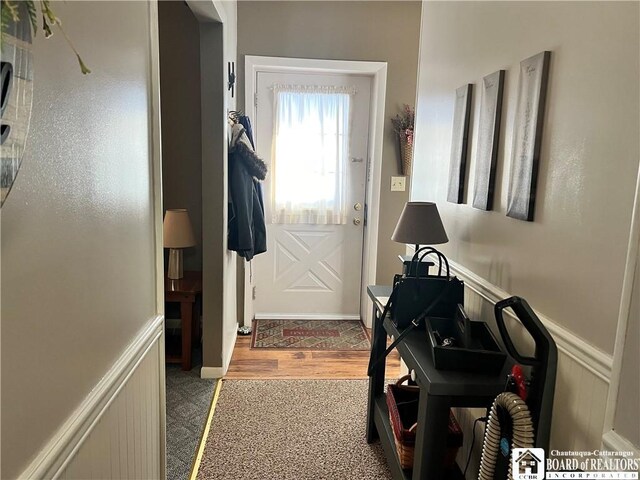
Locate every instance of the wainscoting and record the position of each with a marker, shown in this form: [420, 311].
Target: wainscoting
[119, 430]
[581, 386]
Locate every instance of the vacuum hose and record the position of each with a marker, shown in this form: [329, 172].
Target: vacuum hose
[522, 432]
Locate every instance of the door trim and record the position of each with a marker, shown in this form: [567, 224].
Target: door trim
[155, 150]
[624, 314]
[378, 73]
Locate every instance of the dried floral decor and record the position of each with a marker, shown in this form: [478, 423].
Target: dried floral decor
[403, 125]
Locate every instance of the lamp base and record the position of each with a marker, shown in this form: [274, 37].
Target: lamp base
[174, 272]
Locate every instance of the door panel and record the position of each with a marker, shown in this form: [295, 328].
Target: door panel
[313, 270]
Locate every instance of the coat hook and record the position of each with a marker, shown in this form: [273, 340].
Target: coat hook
[231, 73]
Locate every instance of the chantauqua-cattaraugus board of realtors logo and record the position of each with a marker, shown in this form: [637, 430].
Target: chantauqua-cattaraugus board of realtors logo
[527, 463]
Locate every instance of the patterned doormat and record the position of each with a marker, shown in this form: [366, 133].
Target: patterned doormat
[310, 334]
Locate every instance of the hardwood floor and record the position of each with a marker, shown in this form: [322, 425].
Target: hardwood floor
[265, 363]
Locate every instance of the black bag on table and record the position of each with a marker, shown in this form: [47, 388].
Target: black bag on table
[415, 292]
[415, 297]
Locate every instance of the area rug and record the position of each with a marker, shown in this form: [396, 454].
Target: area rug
[291, 430]
[310, 334]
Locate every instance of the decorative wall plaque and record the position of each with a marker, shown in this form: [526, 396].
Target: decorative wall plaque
[488, 140]
[527, 136]
[459, 143]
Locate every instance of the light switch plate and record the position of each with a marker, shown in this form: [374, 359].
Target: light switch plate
[398, 184]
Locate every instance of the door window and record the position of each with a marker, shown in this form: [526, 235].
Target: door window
[310, 154]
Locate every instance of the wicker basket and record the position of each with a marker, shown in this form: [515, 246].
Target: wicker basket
[402, 402]
[406, 155]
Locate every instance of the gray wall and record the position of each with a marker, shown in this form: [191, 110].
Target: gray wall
[213, 195]
[180, 107]
[371, 31]
[218, 44]
[568, 263]
[78, 264]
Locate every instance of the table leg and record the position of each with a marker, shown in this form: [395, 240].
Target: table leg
[186, 314]
[433, 421]
[195, 326]
[376, 381]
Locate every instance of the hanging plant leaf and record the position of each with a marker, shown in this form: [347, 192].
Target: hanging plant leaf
[33, 16]
[10, 13]
[46, 27]
[12, 10]
[83, 68]
[46, 10]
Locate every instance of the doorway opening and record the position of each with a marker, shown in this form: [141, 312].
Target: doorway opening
[193, 97]
[318, 271]
[318, 126]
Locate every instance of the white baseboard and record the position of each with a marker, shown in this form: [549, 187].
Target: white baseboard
[61, 448]
[308, 316]
[613, 442]
[596, 361]
[211, 372]
[219, 372]
[227, 360]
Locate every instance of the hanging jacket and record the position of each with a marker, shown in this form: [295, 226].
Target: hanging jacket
[247, 230]
[246, 123]
[248, 130]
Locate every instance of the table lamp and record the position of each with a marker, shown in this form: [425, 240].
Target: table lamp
[420, 224]
[178, 234]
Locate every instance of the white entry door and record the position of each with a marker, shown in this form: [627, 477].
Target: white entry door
[312, 131]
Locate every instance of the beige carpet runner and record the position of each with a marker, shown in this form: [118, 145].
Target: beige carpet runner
[291, 430]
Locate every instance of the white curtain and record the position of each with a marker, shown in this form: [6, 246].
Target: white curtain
[310, 154]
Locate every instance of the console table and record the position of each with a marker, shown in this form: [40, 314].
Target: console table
[439, 391]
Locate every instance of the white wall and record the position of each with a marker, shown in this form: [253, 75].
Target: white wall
[116, 430]
[569, 263]
[582, 380]
[78, 241]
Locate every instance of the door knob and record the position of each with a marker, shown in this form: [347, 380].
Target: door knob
[357, 221]
[357, 207]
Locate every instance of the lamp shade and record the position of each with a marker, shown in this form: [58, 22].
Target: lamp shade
[420, 224]
[177, 230]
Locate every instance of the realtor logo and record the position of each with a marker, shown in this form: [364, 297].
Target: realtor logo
[527, 463]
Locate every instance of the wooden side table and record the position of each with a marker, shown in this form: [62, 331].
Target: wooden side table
[185, 291]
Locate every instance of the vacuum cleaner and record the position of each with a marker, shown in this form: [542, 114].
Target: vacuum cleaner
[520, 417]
